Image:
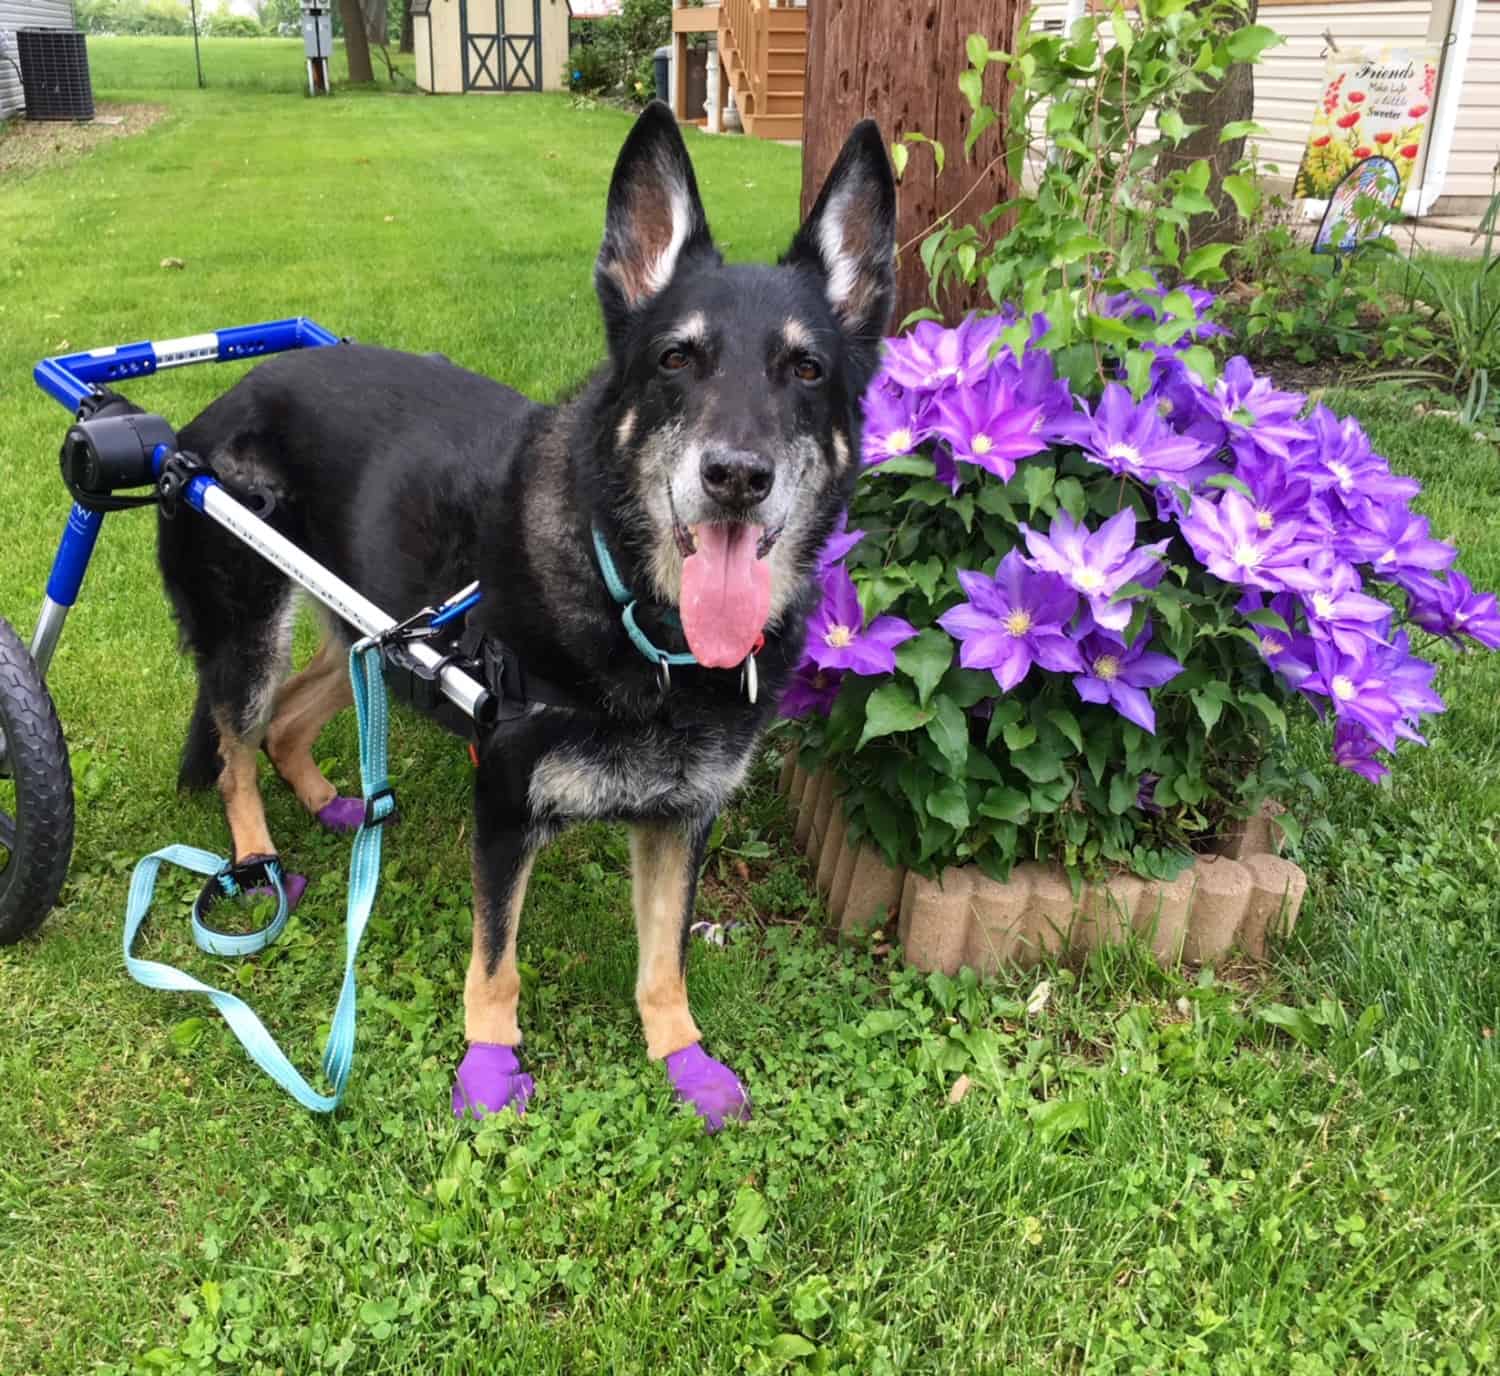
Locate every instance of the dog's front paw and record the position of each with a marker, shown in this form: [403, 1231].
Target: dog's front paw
[490, 1078]
[343, 814]
[711, 1087]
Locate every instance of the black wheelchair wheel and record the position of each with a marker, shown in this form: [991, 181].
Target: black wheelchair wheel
[36, 794]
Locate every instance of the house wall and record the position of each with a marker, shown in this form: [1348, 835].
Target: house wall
[1289, 80]
[1476, 141]
[24, 14]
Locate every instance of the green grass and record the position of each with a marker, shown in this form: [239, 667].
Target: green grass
[1145, 1176]
[151, 66]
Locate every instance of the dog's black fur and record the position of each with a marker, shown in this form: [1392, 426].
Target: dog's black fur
[408, 476]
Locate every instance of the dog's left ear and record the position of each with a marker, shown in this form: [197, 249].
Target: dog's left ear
[654, 220]
[850, 237]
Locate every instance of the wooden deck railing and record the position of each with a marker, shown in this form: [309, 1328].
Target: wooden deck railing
[745, 21]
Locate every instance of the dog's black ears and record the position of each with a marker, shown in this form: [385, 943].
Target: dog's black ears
[654, 220]
[850, 237]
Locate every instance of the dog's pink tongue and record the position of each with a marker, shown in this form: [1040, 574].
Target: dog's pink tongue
[726, 594]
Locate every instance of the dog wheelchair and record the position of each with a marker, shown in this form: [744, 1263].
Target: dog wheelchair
[115, 457]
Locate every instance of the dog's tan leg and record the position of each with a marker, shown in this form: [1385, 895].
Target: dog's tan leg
[664, 864]
[492, 989]
[304, 705]
[239, 787]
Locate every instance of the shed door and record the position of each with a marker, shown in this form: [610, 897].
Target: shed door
[502, 44]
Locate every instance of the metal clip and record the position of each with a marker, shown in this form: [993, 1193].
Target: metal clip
[664, 675]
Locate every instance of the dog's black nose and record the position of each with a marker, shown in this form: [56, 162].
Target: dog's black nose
[737, 478]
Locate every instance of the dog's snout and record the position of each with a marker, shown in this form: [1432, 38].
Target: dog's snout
[737, 478]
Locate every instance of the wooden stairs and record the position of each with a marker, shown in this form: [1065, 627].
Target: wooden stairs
[763, 54]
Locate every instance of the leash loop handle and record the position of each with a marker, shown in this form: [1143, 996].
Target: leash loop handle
[364, 879]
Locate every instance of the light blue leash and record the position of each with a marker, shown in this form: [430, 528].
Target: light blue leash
[364, 879]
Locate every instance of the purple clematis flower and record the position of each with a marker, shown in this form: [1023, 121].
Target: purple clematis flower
[1288, 652]
[1393, 539]
[1281, 497]
[1014, 620]
[892, 427]
[1409, 681]
[810, 689]
[837, 637]
[929, 357]
[1255, 415]
[1335, 456]
[1149, 304]
[1337, 609]
[1358, 690]
[839, 543]
[1228, 537]
[1098, 564]
[1192, 409]
[1356, 750]
[983, 425]
[1118, 674]
[1130, 438]
[1450, 607]
[1035, 382]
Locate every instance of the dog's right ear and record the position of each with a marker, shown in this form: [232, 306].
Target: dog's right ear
[654, 220]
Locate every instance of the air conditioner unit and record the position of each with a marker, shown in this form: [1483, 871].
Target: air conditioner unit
[55, 74]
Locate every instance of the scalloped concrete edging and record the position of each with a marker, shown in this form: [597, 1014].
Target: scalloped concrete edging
[1236, 899]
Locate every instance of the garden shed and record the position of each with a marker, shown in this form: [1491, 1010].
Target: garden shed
[24, 14]
[489, 45]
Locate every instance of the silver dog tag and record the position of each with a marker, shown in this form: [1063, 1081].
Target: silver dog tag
[750, 679]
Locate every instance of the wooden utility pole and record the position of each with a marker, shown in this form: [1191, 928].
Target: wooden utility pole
[898, 61]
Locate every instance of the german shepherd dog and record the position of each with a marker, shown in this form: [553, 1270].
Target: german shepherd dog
[709, 458]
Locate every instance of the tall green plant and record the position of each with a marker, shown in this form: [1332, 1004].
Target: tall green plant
[1089, 114]
[1468, 302]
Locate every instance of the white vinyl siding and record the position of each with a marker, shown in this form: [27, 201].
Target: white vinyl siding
[24, 14]
[1476, 140]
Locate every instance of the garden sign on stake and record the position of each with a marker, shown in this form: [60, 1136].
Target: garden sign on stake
[1379, 180]
[1372, 106]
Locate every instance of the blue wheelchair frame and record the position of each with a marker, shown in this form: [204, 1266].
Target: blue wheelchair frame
[73, 378]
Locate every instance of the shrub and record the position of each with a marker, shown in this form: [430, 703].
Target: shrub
[1092, 574]
[234, 26]
[614, 55]
[1073, 622]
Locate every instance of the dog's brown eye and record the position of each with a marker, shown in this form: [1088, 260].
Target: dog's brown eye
[808, 370]
[674, 360]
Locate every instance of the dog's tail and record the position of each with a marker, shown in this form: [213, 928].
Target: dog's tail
[201, 762]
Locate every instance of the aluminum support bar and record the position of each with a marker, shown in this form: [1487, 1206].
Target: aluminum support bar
[461, 689]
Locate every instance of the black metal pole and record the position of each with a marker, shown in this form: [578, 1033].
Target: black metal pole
[197, 56]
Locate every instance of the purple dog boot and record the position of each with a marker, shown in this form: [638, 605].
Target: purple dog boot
[490, 1078]
[342, 814]
[293, 886]
[712, 1088]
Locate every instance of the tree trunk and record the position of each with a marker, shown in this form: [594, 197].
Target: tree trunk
[356, 44]
[408, 42]
[1231, 99]
[898, 61]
